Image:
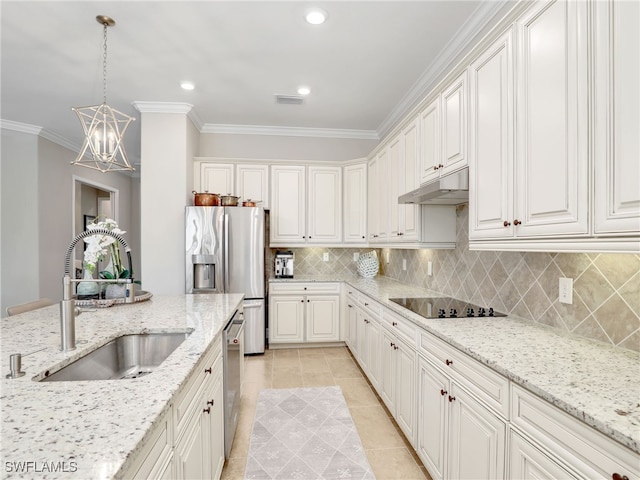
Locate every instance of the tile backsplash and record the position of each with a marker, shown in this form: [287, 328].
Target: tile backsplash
[606, 294]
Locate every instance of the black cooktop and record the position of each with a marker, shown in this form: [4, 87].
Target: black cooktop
[445, 307]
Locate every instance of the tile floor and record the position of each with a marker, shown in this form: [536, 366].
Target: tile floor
[390, 456]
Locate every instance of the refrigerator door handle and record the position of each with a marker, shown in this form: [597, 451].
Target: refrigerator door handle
[226, 252]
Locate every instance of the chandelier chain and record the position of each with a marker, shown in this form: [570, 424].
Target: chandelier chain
[104, 66]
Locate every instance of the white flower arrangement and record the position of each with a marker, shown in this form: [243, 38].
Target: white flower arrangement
[99, 246]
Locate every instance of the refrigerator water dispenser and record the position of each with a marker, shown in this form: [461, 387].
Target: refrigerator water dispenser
[204, 270]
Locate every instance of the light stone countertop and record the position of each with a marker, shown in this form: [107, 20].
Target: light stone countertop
[594, 382]
[92, 429]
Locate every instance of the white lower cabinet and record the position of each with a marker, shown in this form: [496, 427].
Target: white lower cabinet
[304, 313]
[527, 462]
[155, 460]
[189, 440]
[563, 440]
[458, 437]
[199, 450]
[398, 367]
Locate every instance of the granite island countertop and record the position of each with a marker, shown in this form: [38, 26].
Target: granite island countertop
[597, 383]
[92, 429]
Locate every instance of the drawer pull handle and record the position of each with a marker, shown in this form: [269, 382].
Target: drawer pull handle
[207, 410]
[448, 362]
[451, 399]
[443, 392]
[207, 370]
[617, 476]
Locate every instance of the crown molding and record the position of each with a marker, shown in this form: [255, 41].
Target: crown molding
[20, 127]
[442, 63]
[162, 107]
[40, 132]
[290, 131]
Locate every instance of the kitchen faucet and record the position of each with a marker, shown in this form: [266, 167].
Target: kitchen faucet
[68, 310]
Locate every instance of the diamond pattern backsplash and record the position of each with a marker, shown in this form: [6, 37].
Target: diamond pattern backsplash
[606, 295]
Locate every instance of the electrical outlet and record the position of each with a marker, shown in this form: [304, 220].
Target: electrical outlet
[325, 256]
[565, 290]
[404, 264]
[356, 256]
[429, 268]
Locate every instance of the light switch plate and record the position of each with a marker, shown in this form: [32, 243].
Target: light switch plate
[429, 268]
[325, 256]
[404, 264]
[356, 256]
[565, 290]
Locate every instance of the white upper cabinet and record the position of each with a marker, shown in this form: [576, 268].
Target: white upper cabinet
[301, 216]
[324, 218]
[491, 147]
[288, 203]
[617, 117]
[409, 215]
[391, 181]
[382, 193]
[252, 182]
[552, 181]
[373, 200]
[216, 178]
[354, 212]
[443, 137]
[430, 142]
[454, 125]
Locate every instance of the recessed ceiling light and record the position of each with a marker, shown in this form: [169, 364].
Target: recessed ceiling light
[304, 90]
[187, 85]
[316, 16]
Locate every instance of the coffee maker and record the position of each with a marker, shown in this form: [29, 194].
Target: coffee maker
[284, 264]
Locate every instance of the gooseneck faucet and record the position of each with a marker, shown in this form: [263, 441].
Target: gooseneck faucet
[68, 310]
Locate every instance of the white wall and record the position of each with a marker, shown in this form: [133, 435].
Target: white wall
[37, 214]
[19, 250]
[167, 149]
[276, 147]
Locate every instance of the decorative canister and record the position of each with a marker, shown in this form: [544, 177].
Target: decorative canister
[368, 264]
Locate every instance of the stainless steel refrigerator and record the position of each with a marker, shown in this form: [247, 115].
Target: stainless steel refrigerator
[225, 254]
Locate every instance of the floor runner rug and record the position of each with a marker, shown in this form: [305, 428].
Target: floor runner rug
[305, 434]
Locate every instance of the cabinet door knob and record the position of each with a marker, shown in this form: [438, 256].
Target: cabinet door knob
[391, 344]
[617, 476]
[506, 224]
[366, 304]
[517, 222]
[302, 301]
[207, 370]
[448, 362]
[304, 236]
[435, 168]
[307, 300]
[443, 392]
[395, 347]
[395, 324]
[350, 306]
[440, 166]
[451, 399]
[305, 288]
[207, 410]
[210, 402]
[363, 237]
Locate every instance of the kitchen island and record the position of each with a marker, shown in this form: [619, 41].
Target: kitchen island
[94, 429]
[591, 381]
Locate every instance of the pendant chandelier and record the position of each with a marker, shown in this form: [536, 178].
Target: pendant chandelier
[104, 127]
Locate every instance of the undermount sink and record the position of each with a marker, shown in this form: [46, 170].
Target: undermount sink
[124, 357]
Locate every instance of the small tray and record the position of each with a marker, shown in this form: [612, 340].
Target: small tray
[141, 296]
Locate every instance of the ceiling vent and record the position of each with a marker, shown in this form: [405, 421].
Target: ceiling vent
[289, 99]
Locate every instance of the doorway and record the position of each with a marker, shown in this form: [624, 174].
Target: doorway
[91, 200]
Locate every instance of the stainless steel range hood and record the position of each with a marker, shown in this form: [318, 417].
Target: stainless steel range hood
[452, 189]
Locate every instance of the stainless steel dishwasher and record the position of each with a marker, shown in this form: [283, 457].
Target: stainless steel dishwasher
[233, 361]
